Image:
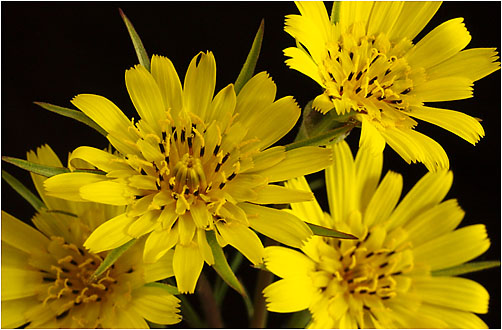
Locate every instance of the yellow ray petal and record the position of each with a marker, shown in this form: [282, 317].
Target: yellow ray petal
[223, 106]
[440, 44]
[454, 318]
[187, 265]
[289, 295]
[413, 18]
[107, 192]
[167, 79]
[158, 244]
[161, 269]
[67, 185]
[146, 96]
[384, 200]
[453, 248]
[277, 224]
[368, 171]
[274, 194]
[383, 16]
[298, 162]
[287, 263]
[243, 239]
[307, 211]
[156, 305]
[101, 159]
[301, 61]
[454, 292]
[144, 224]
[13, 315]
[22, 236]
[268, 158]
[204, 247]
[257, 93]
[200, 80]
[354, 11]
[111, 234]
[20, 283]
[444, 89]
[467, 127]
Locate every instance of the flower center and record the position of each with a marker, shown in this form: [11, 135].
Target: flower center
[363, 270]
[370, 75]
[69, 278]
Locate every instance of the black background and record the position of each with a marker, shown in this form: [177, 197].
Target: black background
[53, 51]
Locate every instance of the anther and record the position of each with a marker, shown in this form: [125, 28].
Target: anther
[358, 244]
[372, 80]
[358, 89]
[350, 76]
[380, 98]
[341, 90]
[386, 287]
[164, 135]
[48, 279]
[396, 101]
[351, 55]
[189, 141]
[175, 135]
[381, 276]
[387, 72]
[231, 176]
[73, 262]
[390, 253]
[385, 298]
[63, 314]
[397, 273]
[196, 193]
[75, 291]
[369, 255]
[363, 291]
[187, 191]
[331, 76]
[167, 160]
[366, 307]
[372, 292]
[359, 74]
[202, 151]
[406, 91]
[222, 185]
[373, 61]
[65, 270]
[183, 136]
[143, 171]
[130, 270]
[384, 265]
[225, 158]
[162, 149]
[157, 185]
[216, 149]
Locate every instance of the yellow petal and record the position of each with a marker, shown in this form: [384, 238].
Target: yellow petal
[473, 64]
[426, 193]
[156, 305]
[371, 137]
[223, 106]
[384, 200]
[67, 185]
[268, 158]
[274, 194]
[354, 11]
[368, 171]
[167, 79]
[13, 315]
[287, 263]
[277, 224]
[384, 16]
[454, 318]
[413, 18]
[204, 247]
[20, 283]
[107, 192]
[444, 89]
[103, 112]
[307, 211]
[146, 96]
[187, 228]
[158, 244]
[161, 269]
[301, 61]
[200, 214]
[103, 160]
[289, 295]
[22, 236]
[187, 265]
[298, 162]
[453, 248]
[110, 235]
[453, 292]
[200, 80]
[467, 127]
[440, 44]
[143, 225]
[243, 239]
[257, 93]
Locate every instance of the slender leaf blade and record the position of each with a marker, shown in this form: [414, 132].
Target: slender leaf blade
[221, 265]
[143, 58]
[23, 191]
[335, 12]
[466, 268]
[250, 64]
[327, 232]
[328, 137]
[169, 288]
[111, 257]
[74, 114]
[44, 170]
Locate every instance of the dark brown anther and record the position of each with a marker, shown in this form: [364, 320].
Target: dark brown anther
[222, 185]
[359, 74]
[225, 158]
[231, 176]
[161, 147]
[143, 171]
[372, 80]
[385, 264]
[350, 76]
[202, 151]
[358, 89]
[216, 149]
[218, 166]
[387, 72]
[406, 91]
[182, 136]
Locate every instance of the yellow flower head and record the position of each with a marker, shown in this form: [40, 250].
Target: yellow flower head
[384, 278]
[368, 64]
[46, 273]
[192, 164]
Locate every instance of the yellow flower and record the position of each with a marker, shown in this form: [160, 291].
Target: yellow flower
[367, 63]
[46, 272]
[383, 279]
[192, 164]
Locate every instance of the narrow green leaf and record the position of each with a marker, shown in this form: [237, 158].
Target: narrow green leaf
[327, 232]
[23, 191]
[169, 288]
[143, 58]
[335, 12]
[250, 64]
[44, 170]
[221, 265]
[111, 257]
[74, 114]
[62, 212]
[328, 137]
[469, 267]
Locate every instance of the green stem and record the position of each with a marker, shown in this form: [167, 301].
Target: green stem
[259, 319]
[209, 306]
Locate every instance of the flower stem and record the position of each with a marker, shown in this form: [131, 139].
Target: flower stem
[259, 319]
[209, 306]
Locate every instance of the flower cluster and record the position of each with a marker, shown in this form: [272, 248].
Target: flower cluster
[123, 229]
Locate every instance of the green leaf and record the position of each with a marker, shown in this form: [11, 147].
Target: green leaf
[23, 191]
[328, 137]
[169, 288]
[250, 64]
[335, 12]
[74, 114]
[466, 268]
[111, 257]
[44, 170]
[143, 58]
[221, 265]
[327, 232]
